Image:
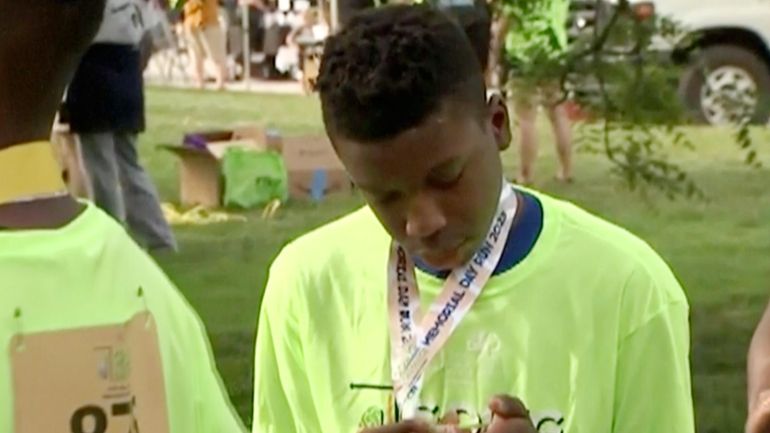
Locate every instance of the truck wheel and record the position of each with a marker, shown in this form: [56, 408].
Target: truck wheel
[727, 84]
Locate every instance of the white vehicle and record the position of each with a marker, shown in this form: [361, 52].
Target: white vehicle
[727, 77]
[730, 62]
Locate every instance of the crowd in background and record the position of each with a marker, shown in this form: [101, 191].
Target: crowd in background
[213, 31]
[104, 106]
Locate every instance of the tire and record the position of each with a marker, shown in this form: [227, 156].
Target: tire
[716, 58]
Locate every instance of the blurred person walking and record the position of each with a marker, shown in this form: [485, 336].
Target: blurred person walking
[206, 40]
[105, 105]
[535, 37]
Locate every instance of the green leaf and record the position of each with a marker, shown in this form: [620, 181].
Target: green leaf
[751, 157]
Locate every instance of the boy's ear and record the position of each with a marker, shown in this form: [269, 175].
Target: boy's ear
[500, 121]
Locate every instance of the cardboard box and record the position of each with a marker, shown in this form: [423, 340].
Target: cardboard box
[200, 173]
[244, 136]
[313, 166]
[199, 177]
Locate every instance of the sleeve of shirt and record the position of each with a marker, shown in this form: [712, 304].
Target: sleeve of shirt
[215, 411]
[282, 397]
[653, 387]
[195, 370]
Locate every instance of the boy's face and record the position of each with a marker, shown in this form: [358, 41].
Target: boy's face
[435, 187]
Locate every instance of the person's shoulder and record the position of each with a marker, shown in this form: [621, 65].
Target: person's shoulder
[97, 224]
[93, 252]
[120, 255]
[118, 248]
[609, 247]
[579, 225]
[349, 236]
[324, 263]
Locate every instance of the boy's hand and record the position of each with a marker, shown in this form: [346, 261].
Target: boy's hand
[509, 415]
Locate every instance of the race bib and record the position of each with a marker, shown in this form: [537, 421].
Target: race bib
[106, 379]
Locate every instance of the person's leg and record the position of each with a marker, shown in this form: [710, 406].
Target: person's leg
[562, 130]
[71, 159]
[197, 53]
[98, 151]
[78, 176]
[144, 214]
[213, 38]
[273, 42]
[147, 49]
[526, 113]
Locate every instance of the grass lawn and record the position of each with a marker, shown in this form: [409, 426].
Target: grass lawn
[717, 248]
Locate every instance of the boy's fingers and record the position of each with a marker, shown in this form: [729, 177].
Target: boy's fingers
[506, 406]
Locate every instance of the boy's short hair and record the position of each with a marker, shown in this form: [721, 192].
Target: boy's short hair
[393, 67]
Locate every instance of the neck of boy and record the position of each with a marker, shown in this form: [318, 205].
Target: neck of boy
[45, 214]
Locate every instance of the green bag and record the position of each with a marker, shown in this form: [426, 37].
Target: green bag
[253, 178]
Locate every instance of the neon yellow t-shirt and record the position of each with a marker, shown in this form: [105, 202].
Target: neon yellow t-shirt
[538, 31]
[590, 330]
[84, 280]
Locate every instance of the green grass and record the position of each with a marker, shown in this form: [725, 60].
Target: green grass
[717, 248]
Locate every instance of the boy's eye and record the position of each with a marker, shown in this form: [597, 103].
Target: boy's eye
[447, 180]
[386, 197]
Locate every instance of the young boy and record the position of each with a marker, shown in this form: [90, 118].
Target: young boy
[577, 325]
[93, 336]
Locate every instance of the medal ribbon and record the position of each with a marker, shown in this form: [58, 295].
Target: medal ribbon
[414, 346]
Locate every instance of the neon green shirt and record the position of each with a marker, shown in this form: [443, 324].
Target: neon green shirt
[537, 32]
[88, 274]
[590, 330]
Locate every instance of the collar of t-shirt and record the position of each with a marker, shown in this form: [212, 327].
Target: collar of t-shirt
[522, 238]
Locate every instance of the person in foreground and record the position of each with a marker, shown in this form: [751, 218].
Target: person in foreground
[456, 300]
[93, 336]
